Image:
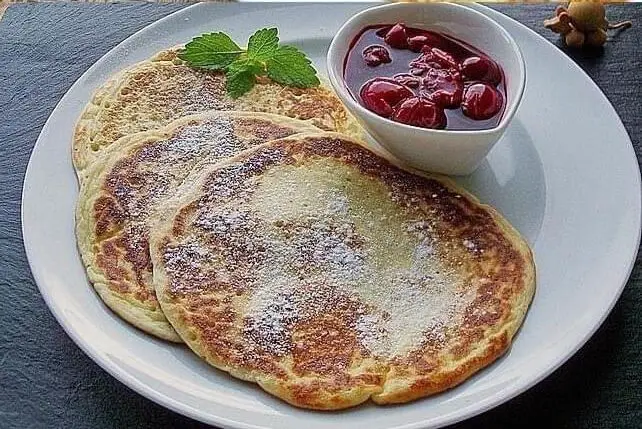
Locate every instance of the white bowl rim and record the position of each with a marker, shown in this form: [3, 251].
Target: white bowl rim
[339, 86]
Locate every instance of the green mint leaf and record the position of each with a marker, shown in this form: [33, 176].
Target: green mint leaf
[239, 80]
[289, 66]
[213, 51]
[248, 64]
[283, 64]
[263, 44]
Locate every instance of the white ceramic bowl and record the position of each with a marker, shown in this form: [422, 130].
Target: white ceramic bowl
[441, 151]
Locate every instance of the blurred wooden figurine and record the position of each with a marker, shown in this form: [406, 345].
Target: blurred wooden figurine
[582, 23]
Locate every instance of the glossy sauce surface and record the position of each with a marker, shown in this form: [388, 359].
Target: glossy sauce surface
[424, 78]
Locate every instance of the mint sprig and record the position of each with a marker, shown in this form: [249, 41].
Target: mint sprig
[264, 56]
[213, 51]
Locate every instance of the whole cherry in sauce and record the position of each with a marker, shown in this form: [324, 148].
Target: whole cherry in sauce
[381, 95]
[397, 37]
[424, 78]
[419, 112]
[480, 68]
[481, 101]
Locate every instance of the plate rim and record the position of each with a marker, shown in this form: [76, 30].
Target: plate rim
[465, 412]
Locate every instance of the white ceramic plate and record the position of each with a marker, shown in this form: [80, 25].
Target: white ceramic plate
[565, 175]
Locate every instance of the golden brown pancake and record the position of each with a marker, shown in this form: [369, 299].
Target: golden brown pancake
[153, 93]
[329, 276]
[137, 175]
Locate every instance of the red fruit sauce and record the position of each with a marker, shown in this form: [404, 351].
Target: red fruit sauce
[424, 78]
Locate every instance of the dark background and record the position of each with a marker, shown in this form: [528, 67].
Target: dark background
[45, 379]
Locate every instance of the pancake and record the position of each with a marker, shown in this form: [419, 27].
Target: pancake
[327, 275]
[136, 176]
[153, 93]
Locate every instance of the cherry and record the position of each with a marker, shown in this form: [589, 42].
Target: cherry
[381, 95]
[481, 101]
[481, 68]
[443, 87]
[407, 80]
[420, 112]
[374, 55]
[397, 37]
[417, 43]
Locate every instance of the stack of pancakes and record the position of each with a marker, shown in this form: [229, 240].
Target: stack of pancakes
[262, 233]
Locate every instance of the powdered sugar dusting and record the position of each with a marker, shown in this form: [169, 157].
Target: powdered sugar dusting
[338, 204]
[229, 180]
[157, 168]
[472, 246]
[370, 331]
[333, 249]
[154, 169]
[183, 263]
[399, 306]
[206, 91]
[225, 222]
[300, 277]
[302, 250]
[273, 310]
[215, 137]
[281, 299]
[408, 308]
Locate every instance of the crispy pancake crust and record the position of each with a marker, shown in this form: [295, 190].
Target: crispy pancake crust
[153, 93]
[121, 192]
[328, 276]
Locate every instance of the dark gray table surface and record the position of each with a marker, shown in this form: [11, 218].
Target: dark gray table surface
[45, 379]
